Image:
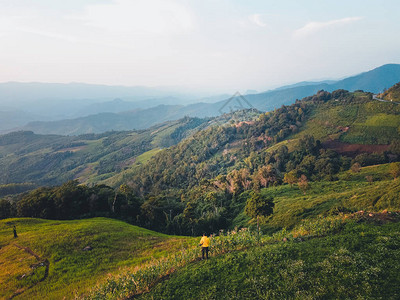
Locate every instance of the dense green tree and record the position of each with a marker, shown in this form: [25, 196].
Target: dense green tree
[258, 205]
[37, 204]
[5, 209]
[70, 199]
[290, 177]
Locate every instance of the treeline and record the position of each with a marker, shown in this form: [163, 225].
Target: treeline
[72, 200]
[15, 188]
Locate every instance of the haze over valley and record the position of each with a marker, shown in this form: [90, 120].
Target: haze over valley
[42, 110]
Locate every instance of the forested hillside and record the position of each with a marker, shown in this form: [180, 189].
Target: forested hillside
[204, 182]
[53, 159]
[211, 172]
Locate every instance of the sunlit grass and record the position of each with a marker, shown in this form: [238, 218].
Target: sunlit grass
[359, 262]
[115, 245]
[350, 193]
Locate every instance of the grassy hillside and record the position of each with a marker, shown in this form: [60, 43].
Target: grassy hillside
[367, 122]
[359, 262]
[335, 248]
[351, 193]
[71, 269]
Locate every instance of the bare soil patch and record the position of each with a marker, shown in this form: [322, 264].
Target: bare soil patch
[353, 150]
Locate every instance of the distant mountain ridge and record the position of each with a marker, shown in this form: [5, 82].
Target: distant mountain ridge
[32, 91]
[373, 81]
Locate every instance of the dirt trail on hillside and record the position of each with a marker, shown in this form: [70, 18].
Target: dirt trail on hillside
[41, 262]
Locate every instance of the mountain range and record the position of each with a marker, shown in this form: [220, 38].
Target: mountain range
[119, 114]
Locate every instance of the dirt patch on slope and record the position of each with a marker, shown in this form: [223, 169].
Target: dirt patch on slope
[353, 150]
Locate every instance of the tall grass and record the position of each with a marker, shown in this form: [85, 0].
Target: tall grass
[115, 245]
[359, 262]
[129, 284]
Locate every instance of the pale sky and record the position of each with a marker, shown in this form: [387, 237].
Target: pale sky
[201, 44]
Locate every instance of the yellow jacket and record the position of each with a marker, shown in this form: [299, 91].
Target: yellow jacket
[205, 241]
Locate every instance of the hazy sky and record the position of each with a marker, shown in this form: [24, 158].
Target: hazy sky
[211, 44]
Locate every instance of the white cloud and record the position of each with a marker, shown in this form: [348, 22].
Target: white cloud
[257, 19]
[140, 16]
[313, 27]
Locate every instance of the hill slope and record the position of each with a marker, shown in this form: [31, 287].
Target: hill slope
[205, 180]
[54, 159]
[60, 246]
[358, 262]
[338, 241]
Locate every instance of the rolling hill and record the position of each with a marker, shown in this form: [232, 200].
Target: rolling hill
[344, 233]
[60, 258]
[27, 157]
[53, 159]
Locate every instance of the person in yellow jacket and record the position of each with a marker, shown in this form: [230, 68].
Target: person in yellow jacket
[204, 243]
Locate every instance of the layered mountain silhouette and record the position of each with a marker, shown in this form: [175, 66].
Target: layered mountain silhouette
[135, 117]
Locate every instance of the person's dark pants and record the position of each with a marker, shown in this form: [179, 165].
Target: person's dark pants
[204, 250]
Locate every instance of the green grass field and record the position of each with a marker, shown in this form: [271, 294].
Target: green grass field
[116, 246]
[368, 123]
[350, 193]
[359, 262]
